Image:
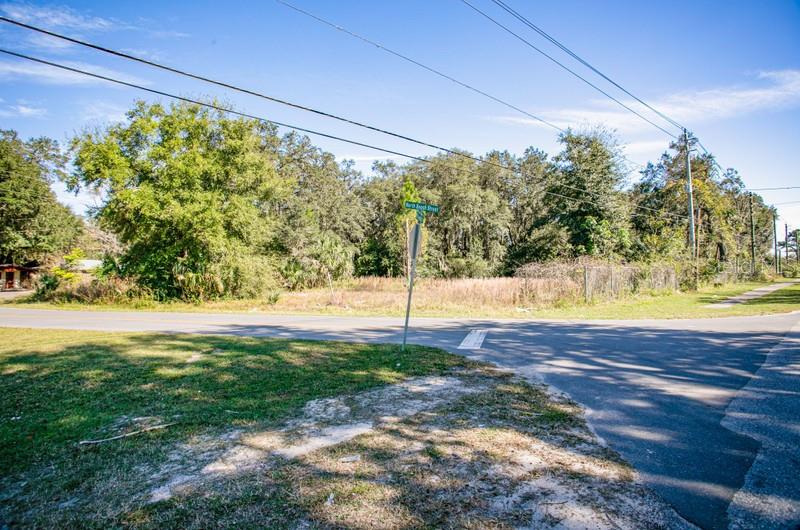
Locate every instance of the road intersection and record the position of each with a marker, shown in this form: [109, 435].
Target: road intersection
[707, 410]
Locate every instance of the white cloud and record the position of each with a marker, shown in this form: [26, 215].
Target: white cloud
[56, 17]
[65, 18]
[103, 112]
[775, 90]
[21, 111]
[646, 147]
[367, 158]
[43, 73]
[46, 42]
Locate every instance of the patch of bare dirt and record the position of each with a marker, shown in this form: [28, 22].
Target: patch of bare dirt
[509, 456]
[324, 423]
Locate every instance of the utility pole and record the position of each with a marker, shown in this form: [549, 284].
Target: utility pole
[690, 192]
[752, 239]
[786, 242]
[775, 242]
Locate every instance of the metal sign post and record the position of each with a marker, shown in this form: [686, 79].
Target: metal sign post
[414, 249]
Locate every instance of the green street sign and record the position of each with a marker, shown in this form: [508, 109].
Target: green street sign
[421, 206]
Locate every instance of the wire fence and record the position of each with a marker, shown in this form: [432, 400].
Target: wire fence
[739, 270]
[592, 281]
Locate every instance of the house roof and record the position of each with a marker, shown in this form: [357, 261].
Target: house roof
[5, 266]
[89, 264]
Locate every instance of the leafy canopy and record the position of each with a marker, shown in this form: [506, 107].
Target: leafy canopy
[33, 224]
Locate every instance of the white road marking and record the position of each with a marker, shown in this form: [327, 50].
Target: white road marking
[473, 340]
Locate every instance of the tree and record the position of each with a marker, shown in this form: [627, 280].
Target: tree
[721, 211]
[586, 197]
[531, 234]
[382, 250]
[191, 193]
[34, 226]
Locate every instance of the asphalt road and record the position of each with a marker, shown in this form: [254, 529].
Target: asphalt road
[707, 410]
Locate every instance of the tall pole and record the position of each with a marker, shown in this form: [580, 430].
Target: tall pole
[752, 239]
[775, 242]
[786, 242]
[690, 193]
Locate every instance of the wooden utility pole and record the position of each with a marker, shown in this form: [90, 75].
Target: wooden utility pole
[786, 241]
[752, 239]
[775, 242]
[690, 192]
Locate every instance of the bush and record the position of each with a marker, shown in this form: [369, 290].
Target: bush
[791, 270]
[469, 267]
[248, 277]
[105, 290]
[45, 285]
[233, 276]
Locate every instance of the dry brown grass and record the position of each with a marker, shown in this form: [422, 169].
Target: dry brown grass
[473, 296]
[536, 286]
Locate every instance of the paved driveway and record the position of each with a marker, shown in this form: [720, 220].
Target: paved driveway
[675, 398]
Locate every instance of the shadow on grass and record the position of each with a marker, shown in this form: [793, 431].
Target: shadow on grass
[786, 296]
[468, 464]
[657, 394]
[57, 396]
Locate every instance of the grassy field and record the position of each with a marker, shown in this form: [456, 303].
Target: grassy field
[61, 387]
[684, 305]
[492, 298]
[223, 401]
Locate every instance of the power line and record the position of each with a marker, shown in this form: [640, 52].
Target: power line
[421, 65]
[277, 123]
[430, 69]
[562, 65]
[575, 56]
[472, 88]
[216, 82]
[714, 160]
[252, 92]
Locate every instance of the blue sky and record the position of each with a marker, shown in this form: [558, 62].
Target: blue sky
[728, 70]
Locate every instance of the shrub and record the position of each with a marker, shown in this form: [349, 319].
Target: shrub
[248, 277]
[791, 270]
[45, 285]
[106, 290]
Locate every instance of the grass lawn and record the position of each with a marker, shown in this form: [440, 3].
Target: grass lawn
[392, 303]
[478, 449]
[61, 387]
[684, 305]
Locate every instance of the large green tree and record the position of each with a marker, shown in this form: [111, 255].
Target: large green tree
[193, 194]
[721, 211]
[34, 226]
[206, 205]
[586, 197]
